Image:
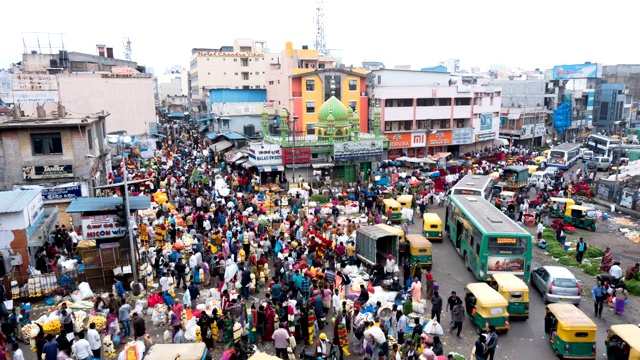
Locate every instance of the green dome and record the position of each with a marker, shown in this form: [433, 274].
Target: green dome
[340, 113]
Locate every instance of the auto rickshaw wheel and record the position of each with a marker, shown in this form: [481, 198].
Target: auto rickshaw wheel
[479, 330]
[593, 227]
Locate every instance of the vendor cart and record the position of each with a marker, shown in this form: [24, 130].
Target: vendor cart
[189, 351]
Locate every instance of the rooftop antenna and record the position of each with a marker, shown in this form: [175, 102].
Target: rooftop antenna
[320, 43]
[127, 49]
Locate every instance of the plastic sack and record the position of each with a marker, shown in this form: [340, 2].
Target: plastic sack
[85, 290]
[150, 311]
[154, 300]
[76, 296]
[190, 330]
[158, 318]
[168, 299]
[433, 327]
[49, 302]
[53, 316]
[418, 307]
[167, 336]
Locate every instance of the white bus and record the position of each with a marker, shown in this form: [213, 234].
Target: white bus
[475, 185]
[601, 144]
[563, 156]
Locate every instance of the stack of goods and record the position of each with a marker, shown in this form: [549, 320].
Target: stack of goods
[34, 287]
[100, 321]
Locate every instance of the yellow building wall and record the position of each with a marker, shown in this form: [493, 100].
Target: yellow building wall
[317, 95]
[351, 95]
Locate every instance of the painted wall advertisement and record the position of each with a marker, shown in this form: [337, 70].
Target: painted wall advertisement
[461, 136]
[302, 155]
[577, 71]
[102, 226]
[352, 150]
[265, 154]
[47, 171]
[486, 122]
[28, 88]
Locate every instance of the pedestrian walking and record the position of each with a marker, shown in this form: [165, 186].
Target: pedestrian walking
[451, 303]
[139, 328]
[598, 293]
[93, 337]
[539, 231]
[480, 347]
[457, 314]
[436, 306]
[581, 247]
[492, 343]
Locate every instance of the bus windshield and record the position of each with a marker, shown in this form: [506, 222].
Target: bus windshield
[556, 157]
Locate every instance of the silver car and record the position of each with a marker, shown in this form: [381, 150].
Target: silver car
[556, 284]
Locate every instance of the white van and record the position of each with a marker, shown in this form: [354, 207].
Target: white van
[587, 155]
[501, 143]
[599, 162]
[535, 177]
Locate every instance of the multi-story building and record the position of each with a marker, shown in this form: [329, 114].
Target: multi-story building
[72, 61]
[610, 101]
[65, 156]
[422, 114]
[240, 66]
[523, 115]
[301, 82]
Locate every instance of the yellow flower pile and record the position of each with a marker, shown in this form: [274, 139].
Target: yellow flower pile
[100, 321]
[52, 327]
[109, 349]
[198, 335]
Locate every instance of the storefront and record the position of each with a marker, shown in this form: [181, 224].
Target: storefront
[267, 158]
[355, 158]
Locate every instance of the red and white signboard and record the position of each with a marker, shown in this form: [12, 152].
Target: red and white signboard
[102, 227]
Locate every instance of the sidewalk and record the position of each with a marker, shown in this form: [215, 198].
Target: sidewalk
[620, 209]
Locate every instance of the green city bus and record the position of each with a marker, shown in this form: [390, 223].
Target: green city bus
[488, 240]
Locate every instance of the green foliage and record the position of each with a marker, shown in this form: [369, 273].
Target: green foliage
[407, 307]
[637, 276]
[593, 252]
[582, 193]
[568, 261]
[557, 253]
[572, 253]
[319, 198]
[590, 269]
[633, 287]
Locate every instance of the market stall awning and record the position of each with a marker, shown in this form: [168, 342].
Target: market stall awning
[107, 204]
[233, 136]
[439, 155]
[212, 135]
[202, 128]
[159, 135]
[237, 156]
[321, 165]
[270, 168]
[221, 145]
[204, 119]
[175, 115]
[247, 165]
[241, 161]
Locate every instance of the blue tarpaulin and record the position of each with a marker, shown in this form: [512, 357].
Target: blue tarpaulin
[562, 117]
[202, 128]
[176, 115]
[212, 135]
[204, 119]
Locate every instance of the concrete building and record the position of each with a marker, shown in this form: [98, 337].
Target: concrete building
[422, 114]
[73, 61]
[628, 74]
[523, 115]
[127, 97]
[63, 156]
[610, 101]
[240, 66]
[238, 110]
[176, 103]
[301, 83]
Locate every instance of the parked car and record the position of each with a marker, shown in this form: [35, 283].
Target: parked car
[535, 177]
[601, 163]
[556, 284]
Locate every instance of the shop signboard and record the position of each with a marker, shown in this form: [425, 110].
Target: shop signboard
[47, 171]
[462, 136]
[440, 138]
[406, 139]
[102, 227]
[360, 149]
[486, 136]
[302, 156]
[61, 193]
[265, 154]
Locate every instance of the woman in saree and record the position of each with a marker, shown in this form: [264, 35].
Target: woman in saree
[227, 335]
[269, 326]
[253, 323]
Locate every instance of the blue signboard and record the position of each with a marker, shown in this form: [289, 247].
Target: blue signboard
[69, 192]
[486, 122]
[578, 71]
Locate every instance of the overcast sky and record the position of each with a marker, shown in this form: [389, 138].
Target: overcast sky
[419, 33]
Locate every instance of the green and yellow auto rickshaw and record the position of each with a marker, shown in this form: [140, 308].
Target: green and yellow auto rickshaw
[485, 307]
[581, 216]
[623, 342]
[572, 333]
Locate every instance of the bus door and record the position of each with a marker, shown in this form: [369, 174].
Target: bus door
[458, 234]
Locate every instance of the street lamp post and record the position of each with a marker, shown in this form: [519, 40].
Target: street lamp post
[134, 267]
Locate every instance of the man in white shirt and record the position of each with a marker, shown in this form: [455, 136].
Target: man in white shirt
[81, 348]
[93, 337]
[616, 273]
[164, 282]
[17, 353]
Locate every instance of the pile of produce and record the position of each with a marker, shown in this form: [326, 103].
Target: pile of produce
[100, 321]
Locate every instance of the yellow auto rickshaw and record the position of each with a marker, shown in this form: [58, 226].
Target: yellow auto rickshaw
[505, 199]
[420, 249]
[572, 333]
[396, 209]
[432, 227]
[515, 291]
[623, 342]
[581, 216]
[485, 307]
[562, 204]
[393, 230]
[406, 201]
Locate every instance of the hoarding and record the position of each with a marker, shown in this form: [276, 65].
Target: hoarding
[47, 171]
[440, 138]
[577, 71]
[302, 155]
[486, 122]
[461, 136]
[28, 88]
[352, 150]
[102, 226]
[407, 139]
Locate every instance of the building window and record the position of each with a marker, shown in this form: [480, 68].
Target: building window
[444, 101]
[311, 107]
[353, 104]
[235, 60]
[353, 85]
[388, 125]
[462, 101]
[491, 100]
[422, 124]
[426, 102]
[459, 123]
[225, 124]
[245, 76]
[311, 85]
[311, 130]
[271, 82]
[379, 79]
[321, 66]
[46, 144]
[327, 87]
[90, 139]
[444, 123]
[246, 87]
[257, 86]
[245, 62]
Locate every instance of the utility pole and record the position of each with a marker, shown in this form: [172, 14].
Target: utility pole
[615, 181]
[134, 266]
